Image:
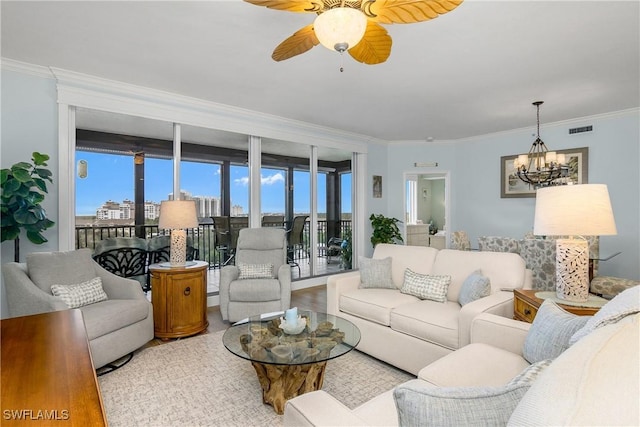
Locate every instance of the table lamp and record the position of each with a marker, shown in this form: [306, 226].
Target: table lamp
[573, 210]
[176, 215]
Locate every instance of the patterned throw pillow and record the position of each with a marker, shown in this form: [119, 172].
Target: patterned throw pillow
[422, 405]
[425, 286]
[475, 286]
[256, 271]
[375, 273]
[550, 332]
[81, 294]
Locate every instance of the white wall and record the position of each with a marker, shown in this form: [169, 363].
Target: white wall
[614, 153]
[29, 123]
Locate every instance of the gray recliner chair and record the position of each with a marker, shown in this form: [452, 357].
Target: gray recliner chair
[260, 282]
[115, 327]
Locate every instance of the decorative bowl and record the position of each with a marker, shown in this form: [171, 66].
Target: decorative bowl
[295, 328]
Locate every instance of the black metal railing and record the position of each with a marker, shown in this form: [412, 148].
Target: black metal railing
[202, 238]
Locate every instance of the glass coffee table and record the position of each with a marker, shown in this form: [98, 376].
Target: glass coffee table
[290, 364]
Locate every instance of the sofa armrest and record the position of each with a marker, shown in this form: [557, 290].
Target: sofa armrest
[500, 303]
[498, 331]
[284, 277]
[337, 285]
[117, 287]
[528, 279]
[319, 408]
[228, 274]
[23, 296]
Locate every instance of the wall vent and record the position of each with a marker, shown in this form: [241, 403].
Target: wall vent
[580, 129]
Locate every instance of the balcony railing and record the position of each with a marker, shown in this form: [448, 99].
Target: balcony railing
[203, 238]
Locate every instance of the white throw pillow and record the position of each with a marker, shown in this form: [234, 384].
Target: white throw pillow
[425, 286]
[80, 294]
[256, 271]
[375, 273]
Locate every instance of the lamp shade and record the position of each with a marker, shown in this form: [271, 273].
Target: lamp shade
[177, 214]
[340, 28]
[574, 210]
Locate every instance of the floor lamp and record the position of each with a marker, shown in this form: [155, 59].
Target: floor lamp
[176, 215]
[573, 210]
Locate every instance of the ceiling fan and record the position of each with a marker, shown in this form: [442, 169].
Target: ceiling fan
[353, 25]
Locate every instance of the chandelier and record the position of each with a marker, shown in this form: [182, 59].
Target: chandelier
[541, 167]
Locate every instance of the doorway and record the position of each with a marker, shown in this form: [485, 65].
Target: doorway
[427, 208]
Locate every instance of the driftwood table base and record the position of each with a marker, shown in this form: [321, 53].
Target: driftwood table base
[283, 382]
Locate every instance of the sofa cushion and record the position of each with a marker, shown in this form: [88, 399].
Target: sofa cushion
[550, 332]
[474, 287]
[81, 294]
[504, 270]
[428, 320]
[476, 364]
[425, 286]
[374, 305]
[248, 290]
[420, 405]
[623, 305]
[107, 316]
[594, 382]
[418, 258]
[375, 273]
[60, 268]
[255, 271]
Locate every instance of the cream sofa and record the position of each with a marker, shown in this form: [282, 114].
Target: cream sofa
[594, 382]
[408, 332]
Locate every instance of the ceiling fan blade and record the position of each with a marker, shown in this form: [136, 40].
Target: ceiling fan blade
[406, 11]
[290, 5]
[300, 42]
[375, 46]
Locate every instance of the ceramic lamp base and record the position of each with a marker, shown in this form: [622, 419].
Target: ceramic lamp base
[572, 269]
[178, 251]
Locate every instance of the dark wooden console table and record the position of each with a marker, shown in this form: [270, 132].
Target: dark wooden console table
[48, 376]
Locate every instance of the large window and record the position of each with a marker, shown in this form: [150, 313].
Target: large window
[201, 182]
[273, 191]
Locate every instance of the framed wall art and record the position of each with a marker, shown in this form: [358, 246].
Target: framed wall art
[377, 186]
[512, 186]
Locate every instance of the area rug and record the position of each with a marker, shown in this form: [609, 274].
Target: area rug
[198, 382]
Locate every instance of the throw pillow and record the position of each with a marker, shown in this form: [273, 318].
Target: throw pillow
[621, 306]
[80, 294]
[474, 287]
[375, 273]
[422, 405]
[425, 286]
[530, 373]
[550, 332]
[256, 271]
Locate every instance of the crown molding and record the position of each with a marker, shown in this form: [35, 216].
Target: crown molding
[87, 91]
[26, 68]
[562, 123]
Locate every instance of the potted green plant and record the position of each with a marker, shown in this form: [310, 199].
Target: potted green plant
[346, 250]
[385, 230]
[23, 188]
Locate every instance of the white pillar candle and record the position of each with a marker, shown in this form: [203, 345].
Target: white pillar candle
[291, 316]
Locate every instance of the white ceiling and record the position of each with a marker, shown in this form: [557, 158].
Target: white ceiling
[473, 71]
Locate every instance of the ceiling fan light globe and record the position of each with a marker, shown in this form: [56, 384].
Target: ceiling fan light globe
[340, 26]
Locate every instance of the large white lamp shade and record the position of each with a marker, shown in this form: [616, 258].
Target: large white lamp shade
[573, 210]
[176, 215]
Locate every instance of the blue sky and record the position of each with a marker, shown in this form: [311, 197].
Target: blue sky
[110, 177]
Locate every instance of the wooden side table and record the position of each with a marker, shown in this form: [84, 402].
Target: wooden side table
[179, 298]
[526, 305]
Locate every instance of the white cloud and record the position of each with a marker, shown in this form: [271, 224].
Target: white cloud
[273, 179]
[264, 180]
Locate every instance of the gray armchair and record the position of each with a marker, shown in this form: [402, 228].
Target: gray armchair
[115, 327]
[243, 297]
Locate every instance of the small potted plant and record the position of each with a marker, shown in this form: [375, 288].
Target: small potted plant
[23, 188]
[385, 230]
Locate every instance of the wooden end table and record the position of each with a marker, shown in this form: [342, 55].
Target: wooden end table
[526, 305]
[179, 298]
